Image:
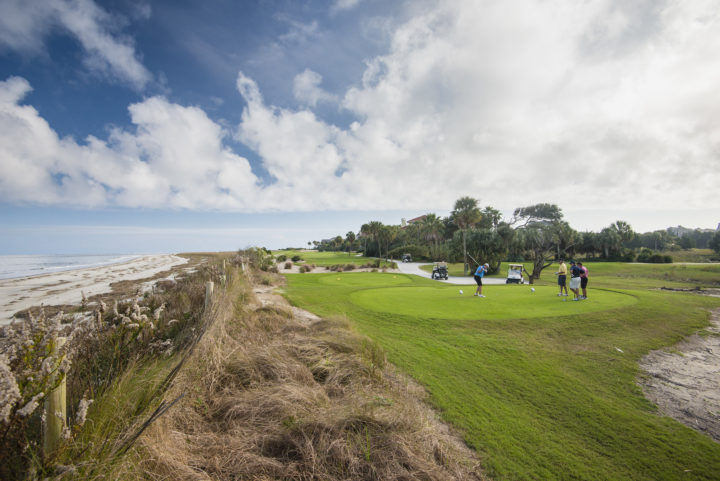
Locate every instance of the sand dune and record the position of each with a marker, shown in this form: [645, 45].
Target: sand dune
[67, 287]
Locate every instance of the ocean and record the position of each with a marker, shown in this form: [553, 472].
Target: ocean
[12, 267]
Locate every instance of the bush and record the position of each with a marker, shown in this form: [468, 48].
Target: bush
[260, 258]
[296, 258]
[288, 265]
[281, 258]
[349, 267]
[416, 251]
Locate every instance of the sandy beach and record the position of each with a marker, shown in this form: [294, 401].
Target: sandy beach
[67, 287]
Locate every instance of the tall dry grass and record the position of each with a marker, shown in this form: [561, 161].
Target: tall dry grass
[117, 363]
[272, 396]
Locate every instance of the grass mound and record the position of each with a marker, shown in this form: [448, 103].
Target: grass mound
[270, 396]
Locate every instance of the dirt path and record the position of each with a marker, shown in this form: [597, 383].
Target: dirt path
[685, 383]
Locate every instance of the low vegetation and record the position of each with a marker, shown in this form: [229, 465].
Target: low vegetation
[273, 396]
[116, 363]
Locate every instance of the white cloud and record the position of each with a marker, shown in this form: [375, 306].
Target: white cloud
[306, 88]
[603, 103]
[343, 5]
[585, 105]
[300, 32]
[24, 25]
[173, 158]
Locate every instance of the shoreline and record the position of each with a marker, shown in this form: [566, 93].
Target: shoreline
[67, 287]
[48, 270]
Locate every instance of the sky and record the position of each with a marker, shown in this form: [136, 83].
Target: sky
[131, 126]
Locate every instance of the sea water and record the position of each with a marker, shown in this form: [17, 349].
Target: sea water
[34, 265]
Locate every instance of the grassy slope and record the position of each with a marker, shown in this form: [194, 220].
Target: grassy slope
[542, 397]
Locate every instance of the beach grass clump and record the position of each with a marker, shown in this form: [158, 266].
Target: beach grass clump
[103, 346]
[274, 396]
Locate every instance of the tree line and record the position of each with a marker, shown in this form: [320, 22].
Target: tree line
[536, 233]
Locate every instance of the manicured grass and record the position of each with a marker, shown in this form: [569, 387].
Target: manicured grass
[542, 389]
[621, 274]
[327, 258]
[501, 302]
[693, 255]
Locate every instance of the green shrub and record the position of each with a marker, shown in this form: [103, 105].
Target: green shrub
[416, 251]
[296, 258]
[281, 258]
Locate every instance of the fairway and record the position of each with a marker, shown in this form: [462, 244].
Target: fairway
[541, 388]
[364, 279]
[501, 302]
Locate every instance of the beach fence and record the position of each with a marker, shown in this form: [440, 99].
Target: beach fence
[55, 410]
[55, 406]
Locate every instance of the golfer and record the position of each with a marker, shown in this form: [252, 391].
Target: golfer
[479, 273]
[583, 280]
[562, 278]
[575, 273]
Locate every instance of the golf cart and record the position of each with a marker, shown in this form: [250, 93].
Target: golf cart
[515, 274]
[406, 258]
[440, 271]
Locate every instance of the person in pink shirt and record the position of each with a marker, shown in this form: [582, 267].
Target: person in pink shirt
[583, 280]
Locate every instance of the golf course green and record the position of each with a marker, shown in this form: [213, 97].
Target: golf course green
[501, 302]
[542, 389]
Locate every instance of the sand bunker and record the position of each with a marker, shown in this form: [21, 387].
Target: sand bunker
[685, 383]
[67, 287]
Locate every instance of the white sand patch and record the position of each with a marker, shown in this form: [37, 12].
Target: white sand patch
[685, 383]
[67, 287]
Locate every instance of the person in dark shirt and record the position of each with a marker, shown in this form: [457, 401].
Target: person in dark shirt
[575, 273]
[583, 280]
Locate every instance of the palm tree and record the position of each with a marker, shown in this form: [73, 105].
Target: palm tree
[466, 214]
[374, 228]
[433, 230]
[350, 239]
[365, 232]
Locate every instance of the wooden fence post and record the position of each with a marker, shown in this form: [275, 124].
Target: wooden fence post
[208, 293]
[55, 411]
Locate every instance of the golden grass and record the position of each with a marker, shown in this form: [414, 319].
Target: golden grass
[270, 396]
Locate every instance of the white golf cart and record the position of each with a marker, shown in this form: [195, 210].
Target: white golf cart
[515, 274]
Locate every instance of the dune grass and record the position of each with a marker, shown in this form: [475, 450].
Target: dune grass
[272, 396]
[541, 388]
